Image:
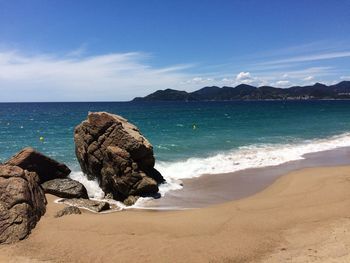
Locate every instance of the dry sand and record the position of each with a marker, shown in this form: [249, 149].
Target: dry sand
[302, 217]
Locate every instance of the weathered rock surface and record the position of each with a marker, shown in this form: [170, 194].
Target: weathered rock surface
[65, 188]
[34, 161]
[131, 200]
[68, 210]
[92, 205]
[22, 203]
[113, 150]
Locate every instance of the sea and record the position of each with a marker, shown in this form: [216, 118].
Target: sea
[189, 138]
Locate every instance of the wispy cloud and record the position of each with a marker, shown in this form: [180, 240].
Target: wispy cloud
[76, 76]
[116, 76]
[312, 57]
[323, 61]
[78, 51]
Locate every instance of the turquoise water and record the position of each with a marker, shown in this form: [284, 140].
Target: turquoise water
[224, 132]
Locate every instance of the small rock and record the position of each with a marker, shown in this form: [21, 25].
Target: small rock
[65, 188]
[69, 210]
[109, 196]
[92, 205]
[131, 200]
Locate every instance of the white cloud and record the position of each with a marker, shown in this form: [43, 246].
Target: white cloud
[116, 76]
[283, 79]
[345, 77]
[308, 78]
[300, 73]
[283, 83]
[122, 76]
[247, 78]
[199, 81]
[243, 76]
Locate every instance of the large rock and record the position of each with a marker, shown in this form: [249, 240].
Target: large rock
[65, 188]
[113, 150]
[33, 161]
[22, 203]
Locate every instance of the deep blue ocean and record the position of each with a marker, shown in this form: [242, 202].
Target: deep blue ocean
[189, 138]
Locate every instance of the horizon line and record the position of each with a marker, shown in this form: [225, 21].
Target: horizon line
[132, 100]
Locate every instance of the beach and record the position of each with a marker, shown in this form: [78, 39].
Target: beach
[302, 217]
[237, 189]
[174, 131]
[211, 189]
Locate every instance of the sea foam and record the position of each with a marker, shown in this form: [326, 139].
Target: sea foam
[92, 187]
[253, 156]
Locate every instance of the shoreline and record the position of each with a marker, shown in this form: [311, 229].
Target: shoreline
[213, 189]
[302, 216]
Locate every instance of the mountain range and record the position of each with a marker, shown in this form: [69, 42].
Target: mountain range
[248, 92]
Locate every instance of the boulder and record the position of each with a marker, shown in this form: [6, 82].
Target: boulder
[65, 188]
[68, 210]
[113, 150]
[92, 205]
[34, 161]
[22, 203]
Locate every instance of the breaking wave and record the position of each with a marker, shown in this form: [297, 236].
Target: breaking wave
[253, 156]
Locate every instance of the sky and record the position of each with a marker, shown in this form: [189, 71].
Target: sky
[117, 50]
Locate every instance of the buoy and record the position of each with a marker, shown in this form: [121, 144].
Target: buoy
[41, 138]
[194, 126]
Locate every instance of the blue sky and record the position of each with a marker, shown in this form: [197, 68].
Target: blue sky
[115, 50]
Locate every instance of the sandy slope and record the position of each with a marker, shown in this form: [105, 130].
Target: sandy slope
[303, 217]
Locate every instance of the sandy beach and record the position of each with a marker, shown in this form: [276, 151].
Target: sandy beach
[212, 189]
[302, 217]
[174, 131]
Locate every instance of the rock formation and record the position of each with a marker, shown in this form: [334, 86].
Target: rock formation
[33, 161]
[65, 188]
[22, 203]
[113, 150]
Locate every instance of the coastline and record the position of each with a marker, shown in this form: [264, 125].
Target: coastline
[302, 216]
[212, 189]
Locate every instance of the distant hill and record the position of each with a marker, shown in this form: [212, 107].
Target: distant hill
[247, 92]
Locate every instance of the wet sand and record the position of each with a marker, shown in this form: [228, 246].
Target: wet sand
[219, 188]
[303, 216]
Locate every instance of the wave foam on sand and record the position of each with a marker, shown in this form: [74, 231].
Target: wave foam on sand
[253, 156]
